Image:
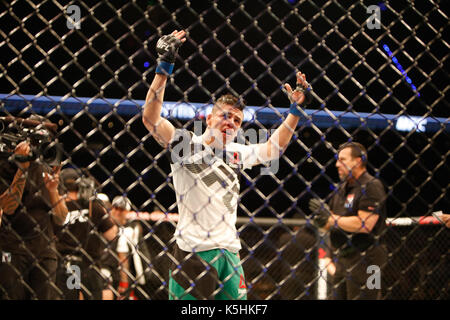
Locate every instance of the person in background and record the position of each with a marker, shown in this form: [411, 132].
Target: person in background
[108, 261]
[298, 251]
[79, 240]
[132, 253]
[31, 206]
[355, 218]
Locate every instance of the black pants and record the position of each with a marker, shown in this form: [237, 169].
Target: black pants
[302, 253]
[25, 278]
[91, 281]
[352, 274]
[193, 267]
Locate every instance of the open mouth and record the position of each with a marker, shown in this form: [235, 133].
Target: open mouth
[227, 132]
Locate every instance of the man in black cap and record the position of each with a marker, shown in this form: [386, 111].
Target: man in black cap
[80, 239]
[132, 254]
[355, 218]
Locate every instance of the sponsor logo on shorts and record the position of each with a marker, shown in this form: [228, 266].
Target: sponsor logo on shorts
[242, 282]
[242, 290]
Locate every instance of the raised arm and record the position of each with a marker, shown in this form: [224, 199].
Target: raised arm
[161, 129]
[59, 208]
[279, 140]
[11, 198]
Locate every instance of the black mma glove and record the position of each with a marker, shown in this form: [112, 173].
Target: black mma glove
[306, 91]
[308, 98]
[167, 48]
[320, 211]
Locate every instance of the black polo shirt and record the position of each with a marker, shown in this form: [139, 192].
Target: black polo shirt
[82, 232]
[367, 194]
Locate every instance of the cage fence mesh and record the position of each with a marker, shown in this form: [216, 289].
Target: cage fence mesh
[385, 86]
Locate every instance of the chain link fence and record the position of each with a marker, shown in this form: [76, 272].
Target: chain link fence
[379, 72]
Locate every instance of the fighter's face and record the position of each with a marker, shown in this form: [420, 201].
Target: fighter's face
[345, 163]
[225, 121]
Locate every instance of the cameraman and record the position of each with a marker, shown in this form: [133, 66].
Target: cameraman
[81, 239]
[30, 203]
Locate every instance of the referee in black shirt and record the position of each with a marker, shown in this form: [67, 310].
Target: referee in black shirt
[355, 217]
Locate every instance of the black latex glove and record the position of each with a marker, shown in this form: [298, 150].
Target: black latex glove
[321, 212]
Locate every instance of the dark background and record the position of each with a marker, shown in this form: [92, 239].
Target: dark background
[249, 48]
[327, 40]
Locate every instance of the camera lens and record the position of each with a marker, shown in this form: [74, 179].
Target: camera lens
[50, 152]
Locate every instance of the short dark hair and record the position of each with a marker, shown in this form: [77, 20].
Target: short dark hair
[231, 100]
[68, 179]
[357, 151]
[121, 202]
